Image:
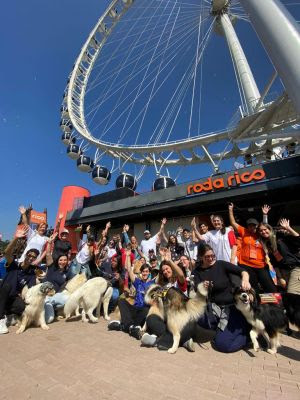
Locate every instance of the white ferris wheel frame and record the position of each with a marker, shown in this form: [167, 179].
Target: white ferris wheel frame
[263, 129]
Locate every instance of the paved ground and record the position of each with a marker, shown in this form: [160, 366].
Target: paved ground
[74, 360]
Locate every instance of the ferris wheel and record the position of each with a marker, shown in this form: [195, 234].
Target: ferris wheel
[137, 94]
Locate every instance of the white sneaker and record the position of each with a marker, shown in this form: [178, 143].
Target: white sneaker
[148, 340]
[3, 326]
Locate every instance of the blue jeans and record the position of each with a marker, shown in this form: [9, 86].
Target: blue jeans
[114, 299]
[77, 268]
[52, 303]
[236, 334]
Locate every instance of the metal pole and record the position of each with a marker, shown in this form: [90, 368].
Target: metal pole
[243, 69]
[280, 35]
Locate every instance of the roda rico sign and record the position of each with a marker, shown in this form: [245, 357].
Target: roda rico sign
[228, 181]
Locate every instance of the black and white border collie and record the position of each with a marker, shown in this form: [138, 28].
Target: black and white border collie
[266, 319]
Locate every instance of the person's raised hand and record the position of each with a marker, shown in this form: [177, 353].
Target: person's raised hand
[108, 225]
[230, 206]
[265, 209]
[22, 210]
[61, 216]
[284, 223]
[164, 221]
[193, 223]
[22, 232]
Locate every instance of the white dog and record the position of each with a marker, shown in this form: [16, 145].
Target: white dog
[90, 296]
[34, 312]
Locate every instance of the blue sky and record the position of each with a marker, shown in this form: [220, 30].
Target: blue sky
[40, 41]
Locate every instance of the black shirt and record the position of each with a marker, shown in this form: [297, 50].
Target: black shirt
[61, 248]
[219, 275]
[56, 276]
[18, 277]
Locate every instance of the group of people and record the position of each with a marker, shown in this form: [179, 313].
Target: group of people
[256, 255]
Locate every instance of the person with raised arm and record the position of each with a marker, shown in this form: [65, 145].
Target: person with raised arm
[149, 242]
[185, 239]
[283, 249]
[252, 256]
[222, 239]
[86, 250]
[56, 274]
[36, 239]
[133, 316]
[133, 241]
[61, 244]
[19, 275]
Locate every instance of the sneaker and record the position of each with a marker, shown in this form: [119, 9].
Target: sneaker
[136, 332]
[3, 326]
[149, 340]
[114, 326]
[189, 345]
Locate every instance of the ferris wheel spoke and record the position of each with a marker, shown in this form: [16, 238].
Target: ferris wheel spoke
[173, 56]
[174, 43]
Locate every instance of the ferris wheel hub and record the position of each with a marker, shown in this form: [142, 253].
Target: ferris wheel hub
[219, 7]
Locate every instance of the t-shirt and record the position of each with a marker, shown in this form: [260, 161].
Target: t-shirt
[251, 250]
[34, 241]
[190, 248]
[221, 244]
[18, 277]
[83, 256]
[182, 286]
[149, 244]
[219, 275]
[141, 287]
[61, 248]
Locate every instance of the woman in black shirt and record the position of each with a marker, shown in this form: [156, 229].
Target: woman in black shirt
[56, 274]
[231, 327]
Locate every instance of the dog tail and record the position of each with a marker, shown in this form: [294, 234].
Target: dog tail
[73, 302]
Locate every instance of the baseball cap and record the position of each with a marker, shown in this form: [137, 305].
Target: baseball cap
[65, 231]
[146, 231]
[252, 221]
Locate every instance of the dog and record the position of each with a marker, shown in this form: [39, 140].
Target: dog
[89, 297]
[266, 319]
[177, 309]
[34, 312]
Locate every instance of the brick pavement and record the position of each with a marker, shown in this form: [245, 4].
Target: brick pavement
[74, 360]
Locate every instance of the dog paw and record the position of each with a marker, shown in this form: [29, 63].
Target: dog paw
[202, 289]
[172, 351]
[107, 318]
[272, 351]
[18, 332]
[45, 327]
[256, 348]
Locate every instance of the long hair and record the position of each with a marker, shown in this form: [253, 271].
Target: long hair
[271, 242]
[172, 244]
[223, 229]
[161, 279]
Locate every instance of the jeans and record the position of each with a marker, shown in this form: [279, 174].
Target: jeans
[77, 268]
[52, 303]
[114, 299]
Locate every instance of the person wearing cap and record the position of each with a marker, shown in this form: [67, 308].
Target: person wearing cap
[62, 245]
[252, 256]
[149, 242]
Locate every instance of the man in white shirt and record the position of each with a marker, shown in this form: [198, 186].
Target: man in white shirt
[184, 238]
[149, 242]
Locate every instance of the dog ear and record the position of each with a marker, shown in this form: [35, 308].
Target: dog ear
[253, 298]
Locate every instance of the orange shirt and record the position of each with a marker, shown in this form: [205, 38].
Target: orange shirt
[251, 252]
